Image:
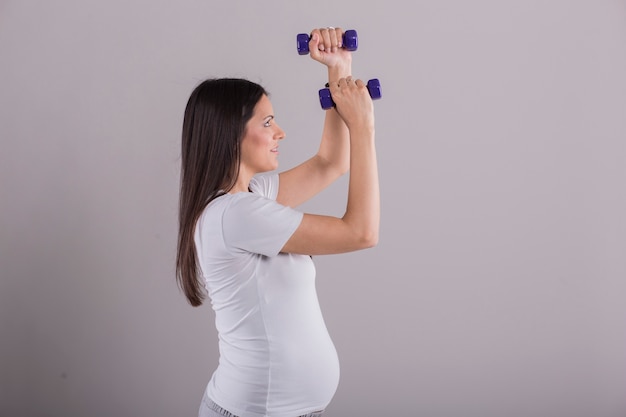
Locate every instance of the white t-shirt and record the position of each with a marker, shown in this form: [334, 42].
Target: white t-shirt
[276, 356]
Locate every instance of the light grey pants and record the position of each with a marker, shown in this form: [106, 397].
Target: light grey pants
[209, 409]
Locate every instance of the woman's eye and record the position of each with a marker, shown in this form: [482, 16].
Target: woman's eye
[267, 124]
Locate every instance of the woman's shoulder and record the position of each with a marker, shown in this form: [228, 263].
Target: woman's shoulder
[265, 184]
[227, 202]
[261, 200]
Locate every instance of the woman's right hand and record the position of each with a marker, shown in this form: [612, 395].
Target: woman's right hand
[353, 103]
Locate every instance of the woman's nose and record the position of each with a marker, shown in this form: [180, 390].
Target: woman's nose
[280, 133]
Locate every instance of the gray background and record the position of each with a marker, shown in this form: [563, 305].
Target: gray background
[498, 285]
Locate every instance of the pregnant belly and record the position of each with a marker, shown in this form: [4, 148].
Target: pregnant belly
[304, 371]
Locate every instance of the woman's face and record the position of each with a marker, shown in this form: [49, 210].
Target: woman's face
[259, 146]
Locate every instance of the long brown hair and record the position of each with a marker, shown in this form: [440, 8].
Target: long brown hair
[214, 124]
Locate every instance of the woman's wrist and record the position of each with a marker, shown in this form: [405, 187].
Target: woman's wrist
[339, 71]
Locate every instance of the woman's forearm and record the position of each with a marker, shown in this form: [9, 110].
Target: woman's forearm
[363, 208]
[335, 143]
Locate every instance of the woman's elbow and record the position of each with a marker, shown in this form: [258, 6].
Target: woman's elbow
[344, 169]
[368, 239]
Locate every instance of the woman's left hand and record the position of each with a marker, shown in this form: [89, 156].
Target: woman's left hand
[326, 47]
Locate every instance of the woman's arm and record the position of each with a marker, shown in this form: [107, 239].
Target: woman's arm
[359, 226]
[332, 160]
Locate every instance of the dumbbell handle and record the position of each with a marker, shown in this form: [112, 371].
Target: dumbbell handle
[350, 41]
[373, 86]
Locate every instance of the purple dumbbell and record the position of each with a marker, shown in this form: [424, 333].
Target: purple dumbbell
[373, 86]
[350, 41]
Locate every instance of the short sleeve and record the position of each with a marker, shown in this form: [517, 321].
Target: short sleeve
[253, 223]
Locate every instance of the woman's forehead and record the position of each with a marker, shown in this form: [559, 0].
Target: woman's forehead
[263, 107]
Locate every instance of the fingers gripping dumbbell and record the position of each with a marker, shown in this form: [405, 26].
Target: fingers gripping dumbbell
[349, 40]
[373, 86]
